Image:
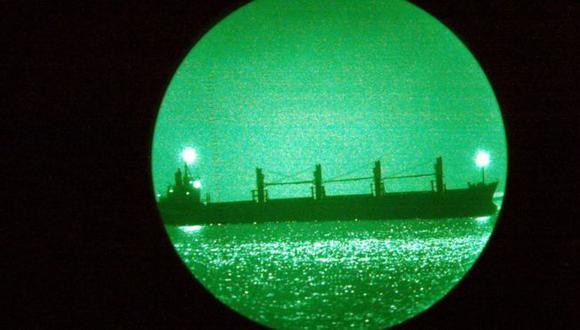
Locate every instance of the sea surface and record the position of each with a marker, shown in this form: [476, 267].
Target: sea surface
[332, 275]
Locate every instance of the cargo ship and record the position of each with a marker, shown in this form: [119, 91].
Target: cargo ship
[182, 204]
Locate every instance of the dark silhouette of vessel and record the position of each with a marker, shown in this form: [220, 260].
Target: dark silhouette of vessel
[182, 205]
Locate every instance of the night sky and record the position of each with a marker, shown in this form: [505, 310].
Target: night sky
[283, 85]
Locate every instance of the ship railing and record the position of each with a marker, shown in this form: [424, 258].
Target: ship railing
[351, 179]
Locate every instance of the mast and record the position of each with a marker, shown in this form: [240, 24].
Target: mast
[439, 175]
[377, 178]
[260, 186]
[319, 192]
[178, 179]
[186, 176]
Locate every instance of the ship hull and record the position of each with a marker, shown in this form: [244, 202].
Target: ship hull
[456, 203]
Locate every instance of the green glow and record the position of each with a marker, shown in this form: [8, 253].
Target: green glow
[283, 85]
[190, 229]
[332, 275]
[189, 155]
[482, 159]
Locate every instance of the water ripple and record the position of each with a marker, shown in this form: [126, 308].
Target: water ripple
[365, 274]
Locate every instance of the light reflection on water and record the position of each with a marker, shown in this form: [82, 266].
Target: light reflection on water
[364, 274]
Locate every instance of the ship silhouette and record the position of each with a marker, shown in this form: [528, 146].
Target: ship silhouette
[182, 204]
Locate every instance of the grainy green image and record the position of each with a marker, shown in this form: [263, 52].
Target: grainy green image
[332, 275]
[373, 91]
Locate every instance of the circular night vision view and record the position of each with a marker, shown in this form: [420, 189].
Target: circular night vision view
[329, 164]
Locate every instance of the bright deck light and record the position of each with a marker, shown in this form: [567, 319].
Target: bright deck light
[482, 159]
[196, 184]
[189, 155]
